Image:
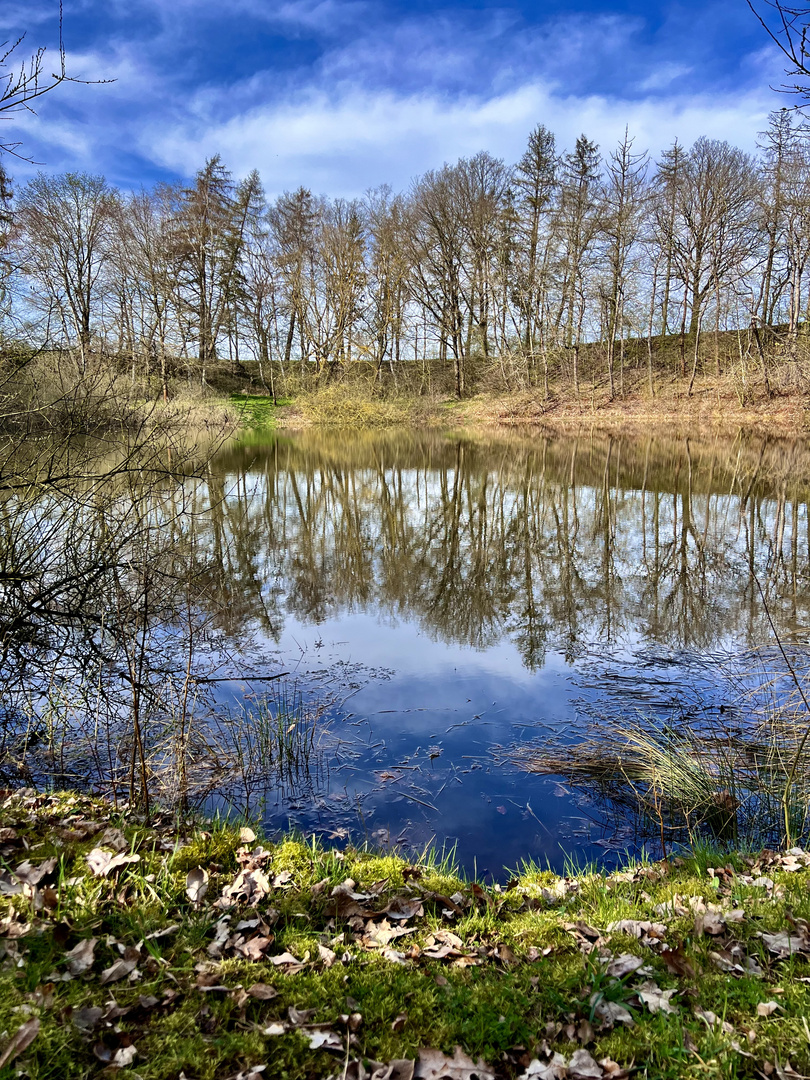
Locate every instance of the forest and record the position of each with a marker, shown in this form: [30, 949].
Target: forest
[568, 264]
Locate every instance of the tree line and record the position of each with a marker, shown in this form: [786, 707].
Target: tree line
[526, 267]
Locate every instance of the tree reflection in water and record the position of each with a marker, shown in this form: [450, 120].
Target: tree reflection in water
[469, 572]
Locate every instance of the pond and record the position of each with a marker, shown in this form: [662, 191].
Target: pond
[442, 602]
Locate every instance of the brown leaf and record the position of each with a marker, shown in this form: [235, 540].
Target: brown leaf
[712, 1020]
[102, 863]
[117, 971]
[401, 907]
[583, 1067]
[711, 923]
[300, 1016]
[287, 962]
[648, 933]
[677, 962]
[585, 1032]
[433, 1065]
[249, 886]
[246, 835]
[32, 875]
[327, 955]
[611, 1070]
[80, 957]
[785, 944]
[325, 1039]
[555, 1069]
[399, 1022]
[20, 1041]
[255, 948]
[398, 1069]
[262, 992]
[622, 965]
[656, 999]
[114, 838]
[609, 1012]
[44, 995]
[196, 884]
[87, 1018]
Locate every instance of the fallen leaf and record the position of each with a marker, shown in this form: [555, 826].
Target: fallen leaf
[583, 1067]
[87, 1018]
[114, 838]
[32, 875]
[677, 962]
[555, 1069]
[648, 933]
[255, 948]
[785, 944]
[656, 999]
[433, 1065]
[123, 1057]
[102, 863]
[117, 971]
[398, 1069]
[323, 1039]
[246, 835]
[622, 965]
[713, 1020]
[287, 961]
[196, 884]
[326, 955]
[262, 992]
[610, 1012]
[80, 957]
[253, 1073]
[299, 1016]
[765, 1008]
[20, 1041]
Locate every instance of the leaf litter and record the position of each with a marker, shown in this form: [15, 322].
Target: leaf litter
[404, 921]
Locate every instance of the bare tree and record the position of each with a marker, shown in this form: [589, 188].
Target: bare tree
[787, 26]
[535, 179]
[63, 227]
[437, 237]
[625, 197]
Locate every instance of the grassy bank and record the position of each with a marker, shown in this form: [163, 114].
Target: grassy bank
[202, 952]
[713, 406]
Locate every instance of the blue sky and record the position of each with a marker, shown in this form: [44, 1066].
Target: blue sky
[342, 95]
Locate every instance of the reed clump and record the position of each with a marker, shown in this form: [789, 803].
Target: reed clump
[741, 774]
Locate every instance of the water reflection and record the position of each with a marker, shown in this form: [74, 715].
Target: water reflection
[502, 588]
[552, 544]
[450, 597]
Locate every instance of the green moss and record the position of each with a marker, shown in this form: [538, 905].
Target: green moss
[530, 980]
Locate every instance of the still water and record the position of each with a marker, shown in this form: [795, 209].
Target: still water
[450, 599]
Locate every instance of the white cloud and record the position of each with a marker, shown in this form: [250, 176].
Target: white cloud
[379, 102]
[663, 76]
[341, 145]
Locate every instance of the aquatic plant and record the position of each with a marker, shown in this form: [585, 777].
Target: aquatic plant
[739, 773]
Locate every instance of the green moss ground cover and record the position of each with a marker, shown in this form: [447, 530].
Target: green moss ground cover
[167, 950]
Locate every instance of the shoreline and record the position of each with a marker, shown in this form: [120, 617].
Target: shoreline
[673, 414]
[201, 950]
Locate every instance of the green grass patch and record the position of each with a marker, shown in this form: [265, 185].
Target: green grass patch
[258, 411]
[301, 957]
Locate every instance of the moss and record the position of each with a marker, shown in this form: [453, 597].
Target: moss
[531, 979]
